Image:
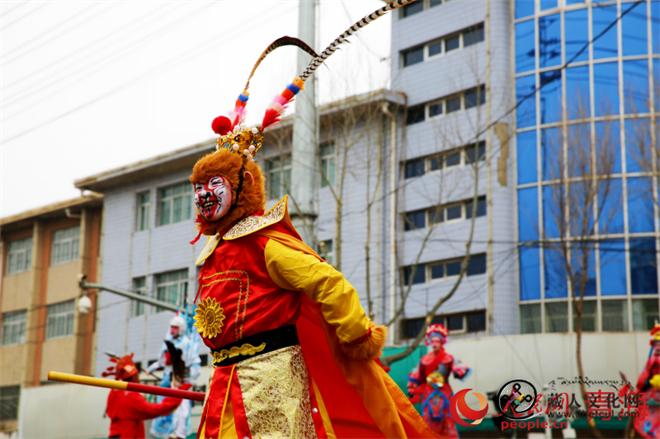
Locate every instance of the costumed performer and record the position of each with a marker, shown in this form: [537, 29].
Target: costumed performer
[128, 410]
[647, 421]
[293, 351]
[179, 358]
[434, 370]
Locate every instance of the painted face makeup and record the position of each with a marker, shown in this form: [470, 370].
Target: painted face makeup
[213, 199]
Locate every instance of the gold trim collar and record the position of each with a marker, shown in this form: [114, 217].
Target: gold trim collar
[254, 223]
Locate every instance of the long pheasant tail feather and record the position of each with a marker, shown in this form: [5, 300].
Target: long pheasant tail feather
[280, 42]
[343, 38]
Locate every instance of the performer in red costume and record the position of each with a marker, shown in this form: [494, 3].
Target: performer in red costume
[434, 371]
[128, 410]
[647, 421]
[293, 351]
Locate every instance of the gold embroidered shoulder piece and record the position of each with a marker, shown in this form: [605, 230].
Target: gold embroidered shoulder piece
[253, 223]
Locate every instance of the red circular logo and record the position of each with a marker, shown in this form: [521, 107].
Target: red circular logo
[465, 415]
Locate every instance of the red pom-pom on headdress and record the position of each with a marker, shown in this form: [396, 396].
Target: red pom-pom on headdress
[221, 125]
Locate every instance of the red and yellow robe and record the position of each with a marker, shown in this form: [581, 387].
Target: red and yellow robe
[260, 276]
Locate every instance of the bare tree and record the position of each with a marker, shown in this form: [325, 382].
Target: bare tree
[579, 205]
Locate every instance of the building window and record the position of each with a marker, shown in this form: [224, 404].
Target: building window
[327, 251]
[9, 398]
[588, 316]
[143, 209]
[473, 35]
[452, 42]
[60, 319]
[434, 48]
[412, 56]
[435, 108]
[481, 208]
[278, 176]
[645, 314]
[414, 220]
[614, 315]
[530, 318]
[174, 203]
[556, 317]
[476, 152]
[453, 103]
[139, 287]
[453, 212]
[476, 265]
[65, 245]
[412, 9]
[474, 321]
[327, 150]
[474, 97]
[19, 256]
[414, 168]
[171, 287]
[13, 327]
[414, 274]
[415, 114]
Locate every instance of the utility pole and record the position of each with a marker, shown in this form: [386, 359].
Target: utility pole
[304, 149]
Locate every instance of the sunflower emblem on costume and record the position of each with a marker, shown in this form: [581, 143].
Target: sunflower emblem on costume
[209, 318]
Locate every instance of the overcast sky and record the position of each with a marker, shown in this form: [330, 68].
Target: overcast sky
[91, 85]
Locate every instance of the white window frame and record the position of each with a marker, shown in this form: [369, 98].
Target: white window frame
[142, 211]
[65, 246]
[283, 169]
[328, 159]
[19, 256]
[13, 327]
[327, 250]
[60, 319]
[165, 281]
[184, 193]
[139, 308]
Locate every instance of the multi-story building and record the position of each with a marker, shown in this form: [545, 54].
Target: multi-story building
[452, 61]
[43, 251]
[597, 103]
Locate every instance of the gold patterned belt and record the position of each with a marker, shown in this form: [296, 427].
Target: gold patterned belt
[254, 345]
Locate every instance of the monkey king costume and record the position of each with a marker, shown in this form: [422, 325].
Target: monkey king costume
[433, 375]
[128, 410]
[294, 354]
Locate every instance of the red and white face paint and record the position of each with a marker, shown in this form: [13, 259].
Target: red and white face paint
[213, 199]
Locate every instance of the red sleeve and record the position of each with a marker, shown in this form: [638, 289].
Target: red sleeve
[142, 409]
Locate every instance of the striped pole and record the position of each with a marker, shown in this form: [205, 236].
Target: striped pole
[124, 385]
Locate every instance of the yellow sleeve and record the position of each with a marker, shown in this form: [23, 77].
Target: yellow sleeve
[340, 305]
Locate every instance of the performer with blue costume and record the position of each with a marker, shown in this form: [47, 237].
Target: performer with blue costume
[179, 360]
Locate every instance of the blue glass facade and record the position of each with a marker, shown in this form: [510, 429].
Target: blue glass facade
[597, 65]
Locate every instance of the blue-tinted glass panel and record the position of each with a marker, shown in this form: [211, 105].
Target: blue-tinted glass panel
[580, 202]
[606, 89]
[636, 86]
[608, 148]
[577, 92]
[610, 206]
[655, 19]
[576, 35]
[528, 217]
[613, 267]
[605, 46]
[554, 197]
[526, 154]
[579, 150]
[525, 46]
[643, 266]
[638, 145]
[524, 8]
[550, 96]
[633, 26]
[640, 205]
[548, 4]
[526, 112]
[573, 2]
[552, 153]
[530, 274]
[549, 40]
[555, 273]
[656, 78]
[579, 267]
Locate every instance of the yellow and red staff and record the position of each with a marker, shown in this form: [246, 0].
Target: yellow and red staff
[124, 385]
